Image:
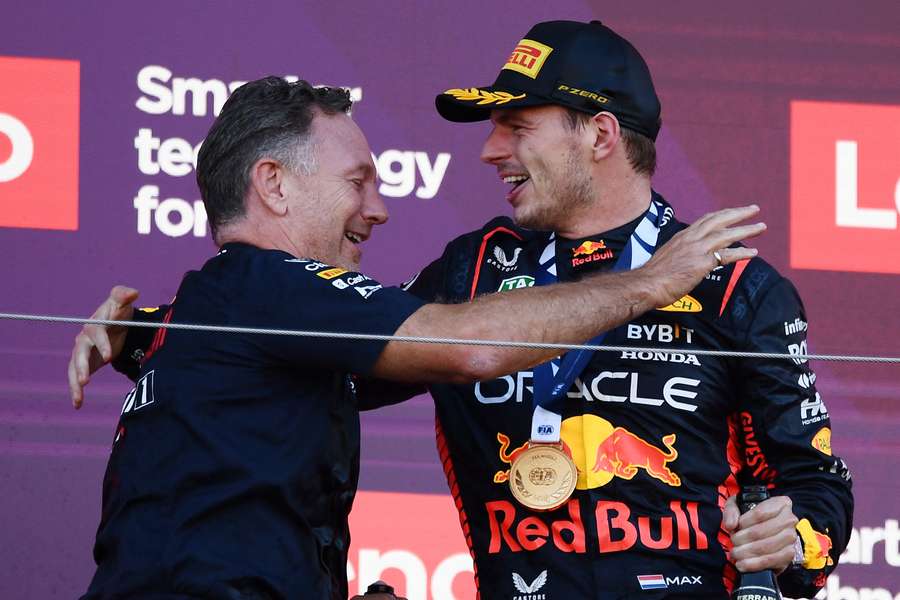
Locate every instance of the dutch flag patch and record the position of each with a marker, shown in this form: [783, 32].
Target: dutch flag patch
[652, 582]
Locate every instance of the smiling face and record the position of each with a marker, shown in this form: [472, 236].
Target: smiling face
[546, 162]
[332, 210]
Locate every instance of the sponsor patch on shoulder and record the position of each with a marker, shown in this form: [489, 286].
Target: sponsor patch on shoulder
[331, 273]
[686, 303]
[367, 290]
[816, 546]
[822, 441]
[515, 283]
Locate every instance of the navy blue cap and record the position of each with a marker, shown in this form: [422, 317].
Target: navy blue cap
[584, 66]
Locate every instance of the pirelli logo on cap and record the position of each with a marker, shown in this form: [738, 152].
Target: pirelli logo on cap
[528, 58]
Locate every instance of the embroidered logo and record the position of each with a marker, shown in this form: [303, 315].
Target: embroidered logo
[503, 262]
[516, 283]
[331, 273]
[822, 441]
[482, 96]
[528, 57]
[590, 251]
[686, 303]
[524, 588]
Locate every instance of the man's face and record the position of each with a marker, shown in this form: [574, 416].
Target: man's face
[332, 210]
[545, 162]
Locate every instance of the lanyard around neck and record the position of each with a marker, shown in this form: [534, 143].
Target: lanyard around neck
[553, 379]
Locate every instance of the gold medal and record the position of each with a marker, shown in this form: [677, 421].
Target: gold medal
[542, 477]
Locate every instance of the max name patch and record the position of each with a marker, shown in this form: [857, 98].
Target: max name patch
[528, 57]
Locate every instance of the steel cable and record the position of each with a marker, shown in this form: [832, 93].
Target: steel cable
[458, 341]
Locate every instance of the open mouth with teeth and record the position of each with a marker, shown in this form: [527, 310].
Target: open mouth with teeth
[354, 237]
[516, 181]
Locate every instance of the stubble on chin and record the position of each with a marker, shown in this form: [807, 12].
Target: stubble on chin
[534, 217]
[570, 192]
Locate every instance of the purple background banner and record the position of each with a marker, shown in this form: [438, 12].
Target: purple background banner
[151, 76]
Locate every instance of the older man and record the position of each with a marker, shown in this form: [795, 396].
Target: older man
[235, 459]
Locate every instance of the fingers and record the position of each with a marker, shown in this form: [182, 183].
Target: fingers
[717, 231]
[767, 511]
[79, 371]
[122, 294]
[118, 305]
[76, 389]
[93, 348]
[120, 300]
[730, 514]
[91, 351]
[765, 536]
[721, 219]
[777, 560]
[726, 237]
[97, 340]
[733, 255]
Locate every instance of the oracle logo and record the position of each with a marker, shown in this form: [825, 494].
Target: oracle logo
[845, 187]
[39, 143]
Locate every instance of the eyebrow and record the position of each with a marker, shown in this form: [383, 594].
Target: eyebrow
[508, 118]
[361, 168]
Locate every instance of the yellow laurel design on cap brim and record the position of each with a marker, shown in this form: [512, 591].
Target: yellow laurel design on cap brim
[482, 96]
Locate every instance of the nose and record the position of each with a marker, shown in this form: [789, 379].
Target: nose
[496, 147]
[374, 210]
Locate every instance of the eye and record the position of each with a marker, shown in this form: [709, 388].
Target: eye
[357, 183]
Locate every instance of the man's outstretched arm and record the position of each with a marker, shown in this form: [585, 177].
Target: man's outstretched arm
[564, 313]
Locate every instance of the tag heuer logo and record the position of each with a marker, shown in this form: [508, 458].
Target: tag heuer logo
[516, 283]
[686, 303]
[529, 591]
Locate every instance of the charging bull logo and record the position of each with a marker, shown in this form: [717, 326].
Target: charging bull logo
[623, 453]
[816, 546]
[590, 251]
[589, 247]
[601, 451]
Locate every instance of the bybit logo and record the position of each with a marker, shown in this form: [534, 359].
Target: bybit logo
[845, 187]
[39, 143]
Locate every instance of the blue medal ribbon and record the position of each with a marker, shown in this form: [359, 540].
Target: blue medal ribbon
[553, 379]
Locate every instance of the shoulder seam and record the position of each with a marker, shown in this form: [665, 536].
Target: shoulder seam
[755, 306]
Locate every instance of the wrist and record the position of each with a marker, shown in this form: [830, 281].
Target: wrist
[648, 290]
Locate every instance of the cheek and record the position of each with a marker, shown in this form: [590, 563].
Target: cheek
[541, 170]
[346, 201]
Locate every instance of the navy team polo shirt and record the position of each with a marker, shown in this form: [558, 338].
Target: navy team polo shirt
[236, 457]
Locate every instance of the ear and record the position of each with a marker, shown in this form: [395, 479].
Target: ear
[605, 127]
[267, 185]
